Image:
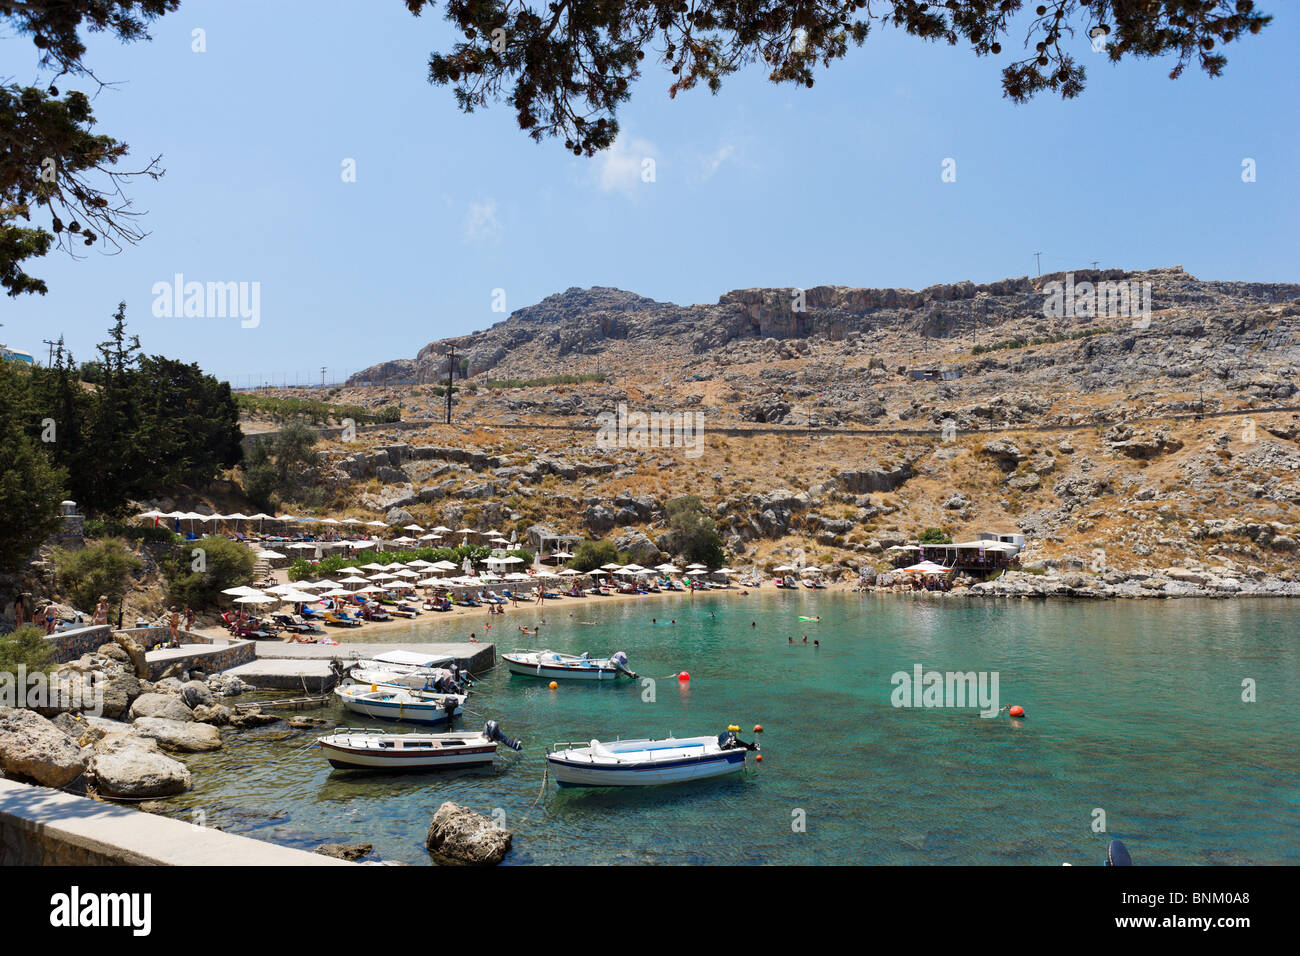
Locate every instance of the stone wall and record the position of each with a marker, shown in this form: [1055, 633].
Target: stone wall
[69, 645]
[207, 659]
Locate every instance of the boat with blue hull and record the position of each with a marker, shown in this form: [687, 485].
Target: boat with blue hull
[389, 702]
[647, 763]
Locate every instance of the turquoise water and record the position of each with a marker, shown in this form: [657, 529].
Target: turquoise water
[1133, 707]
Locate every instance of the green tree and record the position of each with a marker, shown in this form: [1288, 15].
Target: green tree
[60, 183]
[935, 536]
[105, 567]
[593, 554]
[566, 67]
[693, 534]
[31, 486]
[198, 571]
[26, 647]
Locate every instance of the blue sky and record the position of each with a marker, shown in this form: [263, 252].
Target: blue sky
[757, 186]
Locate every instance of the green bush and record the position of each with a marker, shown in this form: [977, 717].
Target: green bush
[27, 647]
[594, 554]
[103, 568]
[694, 534]
[154, 534]
[197, 579]
[935, 536]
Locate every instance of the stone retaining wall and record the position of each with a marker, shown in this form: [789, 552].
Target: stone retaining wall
[210, 660]
[69, 645]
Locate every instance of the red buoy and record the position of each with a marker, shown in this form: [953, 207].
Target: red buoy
[683, 676]
[758, 758]
[1016, 711]
[758, 728]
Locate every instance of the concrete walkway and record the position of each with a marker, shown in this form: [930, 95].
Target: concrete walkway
[47, 827]
[306, 667]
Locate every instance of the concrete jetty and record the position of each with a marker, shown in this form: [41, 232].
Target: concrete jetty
[306, 667]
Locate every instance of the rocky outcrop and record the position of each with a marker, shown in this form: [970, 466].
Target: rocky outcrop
[127, 765]
[459, 835]
[186, 736]
[167, 706]
[33, 748]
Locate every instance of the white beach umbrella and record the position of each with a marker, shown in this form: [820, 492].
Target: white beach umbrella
[349, 570]
[242, 590]
[257, 599]
[412, 527]
[270, 554]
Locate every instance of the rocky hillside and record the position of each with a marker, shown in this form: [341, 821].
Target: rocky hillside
[834, 431]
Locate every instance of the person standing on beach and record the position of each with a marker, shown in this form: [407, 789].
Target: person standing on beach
[173, 623]
[189, 619]
[101, 611]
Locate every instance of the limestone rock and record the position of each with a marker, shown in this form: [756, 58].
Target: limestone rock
[187, 736]
[460, 835]
[34, 748]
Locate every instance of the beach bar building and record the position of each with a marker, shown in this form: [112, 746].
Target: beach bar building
[989, 553]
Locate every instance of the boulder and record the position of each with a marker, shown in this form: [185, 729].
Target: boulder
[195, 692]
[218, 714]
[345, 851]
[34, 748]
[127, 767]
[187, 736]
[160, 705]
[120, 691]
[135, 651]
[460, 835]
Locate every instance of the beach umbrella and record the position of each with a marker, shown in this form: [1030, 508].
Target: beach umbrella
[419, 563]
[349, 570]
[256, 599]
[376, 524]
[270, 554]
[569, 572]
[412, 527]
[352, 521]
[927, 567]
[355, 579]
[328, 521]
[430, 582]
[783, 569]
[242, 591]
[281, 588]
[375, 566]
[611, 567]
[154, 513]
[442, 529]
[298, 597]
[382, 576]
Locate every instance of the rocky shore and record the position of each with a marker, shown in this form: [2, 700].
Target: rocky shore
[98, 728]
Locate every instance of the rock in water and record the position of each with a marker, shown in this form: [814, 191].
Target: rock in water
[128, 766]
[459, 835]
[33, 748]
[183, 735]
[345, 851]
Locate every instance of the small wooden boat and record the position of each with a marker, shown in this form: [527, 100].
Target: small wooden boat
[552, 665]
[365, 750]
[400, 703]
[644, 763]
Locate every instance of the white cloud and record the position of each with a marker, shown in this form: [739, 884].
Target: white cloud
[720, 156]
[620, 168]
[481, 223]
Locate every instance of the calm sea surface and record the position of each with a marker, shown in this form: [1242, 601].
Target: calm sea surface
[1134, 709]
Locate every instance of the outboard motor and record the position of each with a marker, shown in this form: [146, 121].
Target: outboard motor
[728, 740]
[619, 661]
[449, 707]
[492, 731]
[1117, 854]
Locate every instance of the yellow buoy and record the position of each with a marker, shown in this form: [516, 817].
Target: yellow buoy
[554, 685]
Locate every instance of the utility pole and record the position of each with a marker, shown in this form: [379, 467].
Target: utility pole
[451, 374]
[50, 364]
[1039, 257]
[322, 376]
[1094, 265]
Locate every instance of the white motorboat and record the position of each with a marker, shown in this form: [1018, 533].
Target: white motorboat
[552, 665]
[400, 703]
[643, 763]
[365, 750]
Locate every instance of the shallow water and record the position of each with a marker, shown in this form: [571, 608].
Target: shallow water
[1134, 708]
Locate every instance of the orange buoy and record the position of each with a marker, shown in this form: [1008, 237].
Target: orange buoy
[758, 758]
[1016, 711]
[683, 676]
[758, 728]
[554, 685]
